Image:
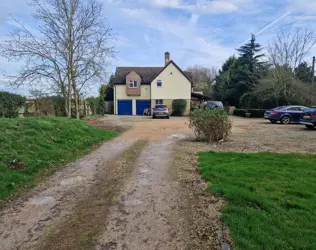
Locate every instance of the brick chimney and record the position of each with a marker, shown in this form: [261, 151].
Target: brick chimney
[167, 58]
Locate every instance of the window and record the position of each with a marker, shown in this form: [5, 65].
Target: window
[133, 84]
[294, 109]
[159, 83]
[159, 102]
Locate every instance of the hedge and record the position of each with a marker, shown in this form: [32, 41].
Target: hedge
[10, 104]
[178, 107]
[255, 113]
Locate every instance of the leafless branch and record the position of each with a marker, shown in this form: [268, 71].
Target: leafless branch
[290, 48]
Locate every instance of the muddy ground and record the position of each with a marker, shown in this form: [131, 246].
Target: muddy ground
[142, 190]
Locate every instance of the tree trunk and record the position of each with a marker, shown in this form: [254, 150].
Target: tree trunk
[76, 95]
[69, 99]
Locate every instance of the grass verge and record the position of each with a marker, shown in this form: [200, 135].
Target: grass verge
[272, 197]
[31, 147]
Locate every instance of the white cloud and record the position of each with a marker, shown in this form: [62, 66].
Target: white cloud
[182, 37]
[308, 6]
[200, 6]
[167, 3]
[218, 6]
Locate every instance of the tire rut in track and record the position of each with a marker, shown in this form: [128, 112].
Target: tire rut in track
[80, 230]
[143, 214]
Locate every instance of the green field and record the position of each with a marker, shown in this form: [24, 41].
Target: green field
[31, 148]
[271, 197]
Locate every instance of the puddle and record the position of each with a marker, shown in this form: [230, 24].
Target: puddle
[43, 200]
[143, 170]
[71, 181]
[177, 136]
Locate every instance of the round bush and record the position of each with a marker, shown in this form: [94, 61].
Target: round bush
[210, 124]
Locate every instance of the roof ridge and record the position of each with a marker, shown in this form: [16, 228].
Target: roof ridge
[140, 67]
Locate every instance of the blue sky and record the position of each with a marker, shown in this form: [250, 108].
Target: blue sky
[195, 32]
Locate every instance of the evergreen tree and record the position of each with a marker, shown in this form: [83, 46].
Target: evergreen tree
[240, 75]
[303, 72]
[252, 58]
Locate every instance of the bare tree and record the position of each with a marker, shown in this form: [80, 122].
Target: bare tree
[69, 50]
[203, 78]
[290, 48]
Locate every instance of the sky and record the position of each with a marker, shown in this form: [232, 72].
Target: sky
[195, 32]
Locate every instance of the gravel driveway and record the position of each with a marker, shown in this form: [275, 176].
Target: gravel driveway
[146, 186]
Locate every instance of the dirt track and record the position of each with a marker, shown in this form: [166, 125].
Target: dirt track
[141, 190]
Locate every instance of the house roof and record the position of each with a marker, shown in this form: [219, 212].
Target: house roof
[148, 74]
[200, 96]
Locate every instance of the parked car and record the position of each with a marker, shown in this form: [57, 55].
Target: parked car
[212, 105]
[285, 114]
[309, 118]
[160, 111]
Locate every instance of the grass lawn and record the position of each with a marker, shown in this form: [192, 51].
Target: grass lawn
[31, 148]
[271, 197]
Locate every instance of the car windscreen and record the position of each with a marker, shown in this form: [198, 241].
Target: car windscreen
[161, 107]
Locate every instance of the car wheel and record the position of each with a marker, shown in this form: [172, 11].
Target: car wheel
[310, 127]
[168, 117]
[154, 117]
[285, 119]
[273, 121]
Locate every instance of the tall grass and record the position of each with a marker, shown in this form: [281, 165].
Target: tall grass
[29, 145]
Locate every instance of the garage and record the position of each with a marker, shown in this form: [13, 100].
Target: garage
[124, 107]
[141, 105]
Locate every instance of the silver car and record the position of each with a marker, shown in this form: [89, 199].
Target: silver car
[161, 111]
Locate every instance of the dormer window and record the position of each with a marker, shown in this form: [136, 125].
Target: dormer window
[133, 84]
[159, 83]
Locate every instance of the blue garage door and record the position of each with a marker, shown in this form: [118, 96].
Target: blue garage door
[141, 105]
[124, 107]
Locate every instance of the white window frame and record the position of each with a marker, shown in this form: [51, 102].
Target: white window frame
[159, 81]
[133, 84]
[159, 102]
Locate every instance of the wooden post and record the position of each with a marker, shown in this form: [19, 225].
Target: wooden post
[313, 70]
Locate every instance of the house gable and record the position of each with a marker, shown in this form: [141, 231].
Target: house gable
[133, 83]
[175, 84]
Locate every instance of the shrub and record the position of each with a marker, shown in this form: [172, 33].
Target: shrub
[210, 124]
[255, 113]
[178, 107]
[10, 104]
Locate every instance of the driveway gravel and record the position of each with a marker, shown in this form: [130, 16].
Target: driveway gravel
[152, 198]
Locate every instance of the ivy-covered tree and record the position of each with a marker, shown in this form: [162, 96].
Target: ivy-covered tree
[303, 72]
[111, 81]
[10, 104]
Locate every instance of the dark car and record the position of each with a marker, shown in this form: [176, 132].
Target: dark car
[309, 118]
[285, 114]
[212, 105]
[161, 111]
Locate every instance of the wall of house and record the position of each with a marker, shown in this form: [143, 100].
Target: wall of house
[174, 86]
[120, 94]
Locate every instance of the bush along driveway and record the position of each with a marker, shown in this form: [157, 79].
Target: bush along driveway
[271, 197]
